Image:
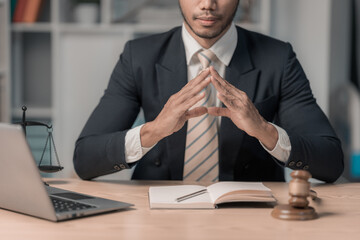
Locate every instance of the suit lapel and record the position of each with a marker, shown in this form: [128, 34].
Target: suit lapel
[241, 74]
[171, 74]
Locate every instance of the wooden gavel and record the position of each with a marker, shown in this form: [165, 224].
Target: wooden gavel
[299, 191]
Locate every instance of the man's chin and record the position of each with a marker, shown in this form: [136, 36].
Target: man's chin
[207, 34]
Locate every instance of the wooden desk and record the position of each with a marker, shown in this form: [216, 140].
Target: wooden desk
[338, 207]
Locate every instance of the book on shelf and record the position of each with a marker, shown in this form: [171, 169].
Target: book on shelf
[12, 9]
[19, 10]
[27, 11]
[196, 196]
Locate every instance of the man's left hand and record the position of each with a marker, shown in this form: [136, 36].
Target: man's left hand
[242, 111]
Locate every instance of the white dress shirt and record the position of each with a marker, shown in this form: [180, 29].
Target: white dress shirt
[224, 49]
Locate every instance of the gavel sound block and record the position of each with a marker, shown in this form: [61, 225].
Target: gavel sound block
[298, 207]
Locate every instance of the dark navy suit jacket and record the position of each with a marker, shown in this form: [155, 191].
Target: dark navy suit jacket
[151, 69]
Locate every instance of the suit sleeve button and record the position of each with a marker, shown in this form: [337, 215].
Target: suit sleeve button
[116, 167]
[299, 164]
[122, 166]
[291, 164]
[306, 167]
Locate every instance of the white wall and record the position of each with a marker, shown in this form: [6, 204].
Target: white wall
[319, 33]
[340, 43]
[306, 24]
[344, 98]
[86, 63]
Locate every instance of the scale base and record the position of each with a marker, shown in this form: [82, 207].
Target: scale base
[287, 212]
[50, 169]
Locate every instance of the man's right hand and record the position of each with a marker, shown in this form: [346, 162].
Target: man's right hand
[176, 111]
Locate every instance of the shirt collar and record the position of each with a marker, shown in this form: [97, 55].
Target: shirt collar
[224, 48]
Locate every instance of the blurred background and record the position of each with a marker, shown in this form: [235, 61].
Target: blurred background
[56, 58]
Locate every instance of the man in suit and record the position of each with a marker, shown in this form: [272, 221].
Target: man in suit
[262, 117]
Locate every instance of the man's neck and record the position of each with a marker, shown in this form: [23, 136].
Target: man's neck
[206, 43]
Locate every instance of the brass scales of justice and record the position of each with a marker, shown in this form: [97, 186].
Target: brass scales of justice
[49, 144]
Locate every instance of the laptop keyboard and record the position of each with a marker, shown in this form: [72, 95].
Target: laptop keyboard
[62, 205]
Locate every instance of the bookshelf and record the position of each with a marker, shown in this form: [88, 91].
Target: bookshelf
[61, 64]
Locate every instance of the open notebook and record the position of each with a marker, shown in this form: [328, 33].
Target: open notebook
[208, 197]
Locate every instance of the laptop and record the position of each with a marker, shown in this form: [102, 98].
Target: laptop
[22, 189]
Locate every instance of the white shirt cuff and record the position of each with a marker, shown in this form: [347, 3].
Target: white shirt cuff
[283, 146]
[133, 149]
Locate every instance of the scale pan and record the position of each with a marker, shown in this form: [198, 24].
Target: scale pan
[50, 169]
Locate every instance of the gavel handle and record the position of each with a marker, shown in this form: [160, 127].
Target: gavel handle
[313, 194]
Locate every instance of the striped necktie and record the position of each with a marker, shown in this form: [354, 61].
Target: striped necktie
[201, 153]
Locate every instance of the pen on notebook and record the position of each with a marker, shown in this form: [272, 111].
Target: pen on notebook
[191, 195]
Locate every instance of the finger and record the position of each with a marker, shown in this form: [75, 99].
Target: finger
[218, 111]
[217, 85]
[221, 80]
[193, 92]
[227, 96]
[196, 112]
[216, 75]
[202, 70]
[230, 103]
[235, 104]
[222, 85]
[186, 105]
[195, 83]
[200, 77]
[222, 88]
[199, 87]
